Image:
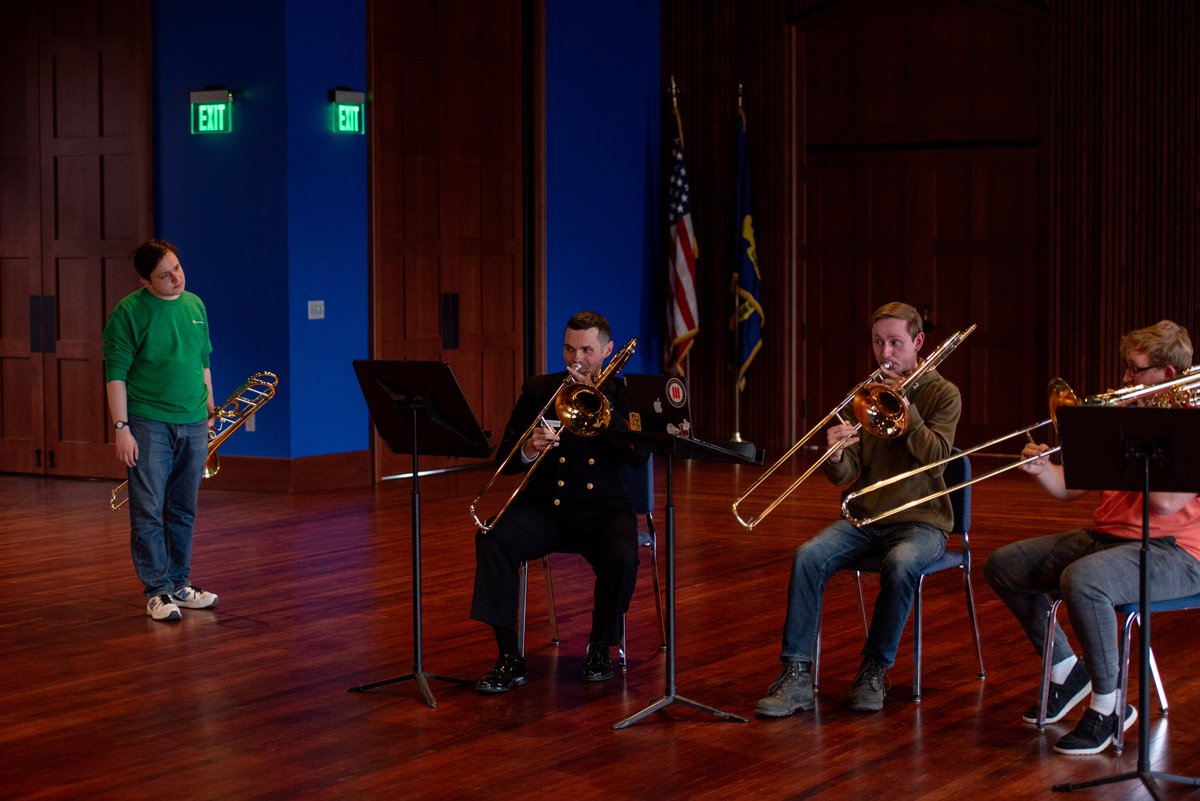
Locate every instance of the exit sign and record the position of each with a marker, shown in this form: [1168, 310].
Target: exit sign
[349, 109]
[212, 111]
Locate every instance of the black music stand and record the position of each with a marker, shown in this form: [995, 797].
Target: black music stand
[419, 407]
[671, 445]
[1136, 449]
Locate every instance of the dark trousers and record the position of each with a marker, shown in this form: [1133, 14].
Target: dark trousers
[605, 537]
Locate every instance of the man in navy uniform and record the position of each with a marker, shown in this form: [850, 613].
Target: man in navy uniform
[576, 501]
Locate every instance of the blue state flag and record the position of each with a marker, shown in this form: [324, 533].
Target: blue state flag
[748, 318]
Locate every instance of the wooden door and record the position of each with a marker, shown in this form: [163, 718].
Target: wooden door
[84, 195]
[446, 220]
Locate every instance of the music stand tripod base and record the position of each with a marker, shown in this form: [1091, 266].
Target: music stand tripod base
[422, 680]
[667, 700]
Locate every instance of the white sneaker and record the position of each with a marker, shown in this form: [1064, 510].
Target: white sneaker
[194, 598]
[161, 607]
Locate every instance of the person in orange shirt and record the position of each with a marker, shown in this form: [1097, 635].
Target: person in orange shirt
[1097, 568]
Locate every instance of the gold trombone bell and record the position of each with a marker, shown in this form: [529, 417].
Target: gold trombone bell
[582, 409]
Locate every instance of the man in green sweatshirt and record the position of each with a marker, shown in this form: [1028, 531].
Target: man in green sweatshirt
[156, 364]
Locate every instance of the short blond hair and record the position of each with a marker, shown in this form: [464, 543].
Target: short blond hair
[900, 311]
[1164, 342]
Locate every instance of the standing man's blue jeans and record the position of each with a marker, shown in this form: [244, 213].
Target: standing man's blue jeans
[905, 550]
[164, 488]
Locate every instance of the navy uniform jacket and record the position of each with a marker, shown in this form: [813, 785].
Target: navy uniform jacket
[582, 471]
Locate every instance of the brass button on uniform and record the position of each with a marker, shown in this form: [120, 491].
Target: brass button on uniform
[557, 502]
[561, 482]
[591, 461]
[562, 460]
[590, 485]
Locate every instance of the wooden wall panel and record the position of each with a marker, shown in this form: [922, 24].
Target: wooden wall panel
[1126, 179]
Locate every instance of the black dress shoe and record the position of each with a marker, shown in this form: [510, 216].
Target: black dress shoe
[597, 665]
[507, 673]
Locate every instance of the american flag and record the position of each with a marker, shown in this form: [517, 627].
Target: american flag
[683, 319]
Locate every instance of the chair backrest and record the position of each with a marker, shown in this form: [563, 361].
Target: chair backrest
[959, 472]
[639, 481]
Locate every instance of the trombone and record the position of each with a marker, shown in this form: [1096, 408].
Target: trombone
[1183, 391]
[240, 406]
[581, 408]
[883, 411]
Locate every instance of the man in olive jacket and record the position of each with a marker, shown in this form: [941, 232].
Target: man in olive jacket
[905, 542]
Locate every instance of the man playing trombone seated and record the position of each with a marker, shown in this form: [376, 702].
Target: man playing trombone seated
[576, 501]
[906, 543]
[1097, 568]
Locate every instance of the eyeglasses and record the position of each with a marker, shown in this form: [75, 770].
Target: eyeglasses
[1136, 371]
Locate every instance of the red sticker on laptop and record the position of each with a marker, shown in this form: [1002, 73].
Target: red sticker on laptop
[676, 392]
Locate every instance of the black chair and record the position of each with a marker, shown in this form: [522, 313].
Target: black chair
[640, 482]
[957, 472]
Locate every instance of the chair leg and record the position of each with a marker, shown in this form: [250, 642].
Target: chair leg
[550, 600]
[521, 599]
[658, 604]
[917, 640]
[621, 648]
[974, 621]
[1047, 662]
[862, 604]
[1123, 677]
[817, 663]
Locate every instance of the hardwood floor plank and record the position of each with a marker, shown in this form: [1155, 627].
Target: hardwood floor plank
[249, 700]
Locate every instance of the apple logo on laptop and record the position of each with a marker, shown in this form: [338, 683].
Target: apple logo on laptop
[657, 406]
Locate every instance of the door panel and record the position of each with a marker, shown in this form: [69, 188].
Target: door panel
[74, 202]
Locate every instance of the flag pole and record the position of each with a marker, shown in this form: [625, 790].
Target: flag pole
[737, 329]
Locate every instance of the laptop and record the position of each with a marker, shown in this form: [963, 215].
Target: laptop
[657, 404]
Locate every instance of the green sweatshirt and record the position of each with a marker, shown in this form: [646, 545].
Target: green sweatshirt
[934, 409]
[160, 349]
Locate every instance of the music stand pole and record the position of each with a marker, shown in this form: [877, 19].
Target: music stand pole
[418, 673]
[670, 696]
[417, 404]
[1146, 451]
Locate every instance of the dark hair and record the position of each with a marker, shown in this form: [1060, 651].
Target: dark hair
[900, 311]
[149, 254]
[582, 321]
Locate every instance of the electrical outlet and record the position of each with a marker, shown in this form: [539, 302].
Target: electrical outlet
[316, 310]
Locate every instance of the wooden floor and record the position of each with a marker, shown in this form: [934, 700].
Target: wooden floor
[250, 701]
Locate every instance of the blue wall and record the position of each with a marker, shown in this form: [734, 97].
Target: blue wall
[275, 214]
[603, 218]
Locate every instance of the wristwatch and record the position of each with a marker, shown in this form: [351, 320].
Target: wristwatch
[120, 424]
